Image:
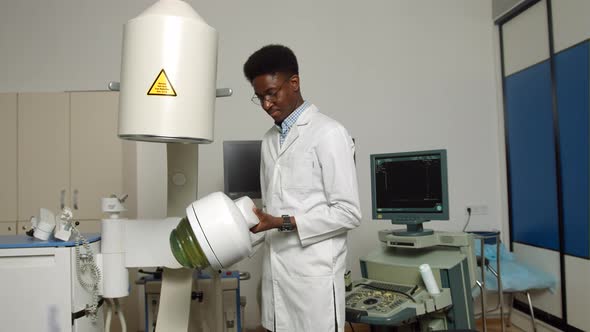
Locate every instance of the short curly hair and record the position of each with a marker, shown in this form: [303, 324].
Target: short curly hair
[271, 59]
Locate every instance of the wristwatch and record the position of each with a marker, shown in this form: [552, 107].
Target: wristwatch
[287, 226]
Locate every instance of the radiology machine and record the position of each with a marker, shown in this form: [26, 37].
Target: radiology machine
[167, 95]
[168, 91]
[417, 279]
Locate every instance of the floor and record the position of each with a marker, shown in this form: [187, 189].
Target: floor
[493, 325]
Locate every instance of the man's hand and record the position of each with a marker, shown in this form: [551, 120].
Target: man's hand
[266, 221]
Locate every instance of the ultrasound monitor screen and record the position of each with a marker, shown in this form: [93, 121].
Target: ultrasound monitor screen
[409, 185]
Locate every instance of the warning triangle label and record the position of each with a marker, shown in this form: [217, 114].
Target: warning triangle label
[162, 86]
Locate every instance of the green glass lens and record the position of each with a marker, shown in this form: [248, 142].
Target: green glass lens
[186, 248]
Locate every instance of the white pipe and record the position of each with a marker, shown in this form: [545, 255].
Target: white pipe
[116, 281]
[121, 316]
[109, 309]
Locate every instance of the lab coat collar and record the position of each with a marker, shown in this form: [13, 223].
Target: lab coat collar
[303, 120]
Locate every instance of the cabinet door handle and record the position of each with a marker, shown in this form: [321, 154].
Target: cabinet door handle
[75, 199]
[62, 199]
[9, 228]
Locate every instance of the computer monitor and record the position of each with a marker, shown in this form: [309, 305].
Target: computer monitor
[241, 169]
[410, 188]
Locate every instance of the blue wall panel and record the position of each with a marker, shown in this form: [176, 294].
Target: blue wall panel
[572, 70]
[533, 186]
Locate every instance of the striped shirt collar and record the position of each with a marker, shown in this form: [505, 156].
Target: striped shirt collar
[286, 125]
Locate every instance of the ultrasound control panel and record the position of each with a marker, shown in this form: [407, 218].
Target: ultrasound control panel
[384, 303]
[379, 299]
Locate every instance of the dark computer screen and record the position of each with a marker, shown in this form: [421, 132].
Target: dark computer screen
[409, 186]
[241, 165]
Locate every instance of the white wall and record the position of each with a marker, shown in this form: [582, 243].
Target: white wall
[400, 75]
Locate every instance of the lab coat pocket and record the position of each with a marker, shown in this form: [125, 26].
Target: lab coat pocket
[315, 260]
[299, 173]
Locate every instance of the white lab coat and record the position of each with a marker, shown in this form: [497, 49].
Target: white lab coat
[312, 177]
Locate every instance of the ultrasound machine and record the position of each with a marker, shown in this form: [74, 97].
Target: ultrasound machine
[416, 279]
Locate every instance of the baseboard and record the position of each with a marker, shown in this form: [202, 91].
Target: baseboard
[523, 322]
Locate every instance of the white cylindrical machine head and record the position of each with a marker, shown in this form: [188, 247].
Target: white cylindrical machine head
[168, 76]
[220, 229]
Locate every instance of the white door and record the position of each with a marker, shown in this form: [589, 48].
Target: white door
[8, 164]
[35, 289]
[97, 152]
[43, 152]
[8, 228]
[23, 226]
[89, 226]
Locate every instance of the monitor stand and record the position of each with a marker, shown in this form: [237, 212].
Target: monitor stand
[413, 229]
[445, 239]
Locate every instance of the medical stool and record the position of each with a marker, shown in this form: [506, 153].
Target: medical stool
[482, 239]
[510, 279]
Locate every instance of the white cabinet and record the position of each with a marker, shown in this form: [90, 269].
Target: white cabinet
[8, 161]
[23, 226]
[8, 228]
[43, 152]
[96, 151]
[88, 226]
[43, 281]
[68, 152]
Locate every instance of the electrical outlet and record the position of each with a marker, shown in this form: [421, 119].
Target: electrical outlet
[477, 209]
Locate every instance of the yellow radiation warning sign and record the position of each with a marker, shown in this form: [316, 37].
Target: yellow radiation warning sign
[162, 86]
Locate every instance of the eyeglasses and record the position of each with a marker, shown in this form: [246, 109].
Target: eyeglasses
[270, 97]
